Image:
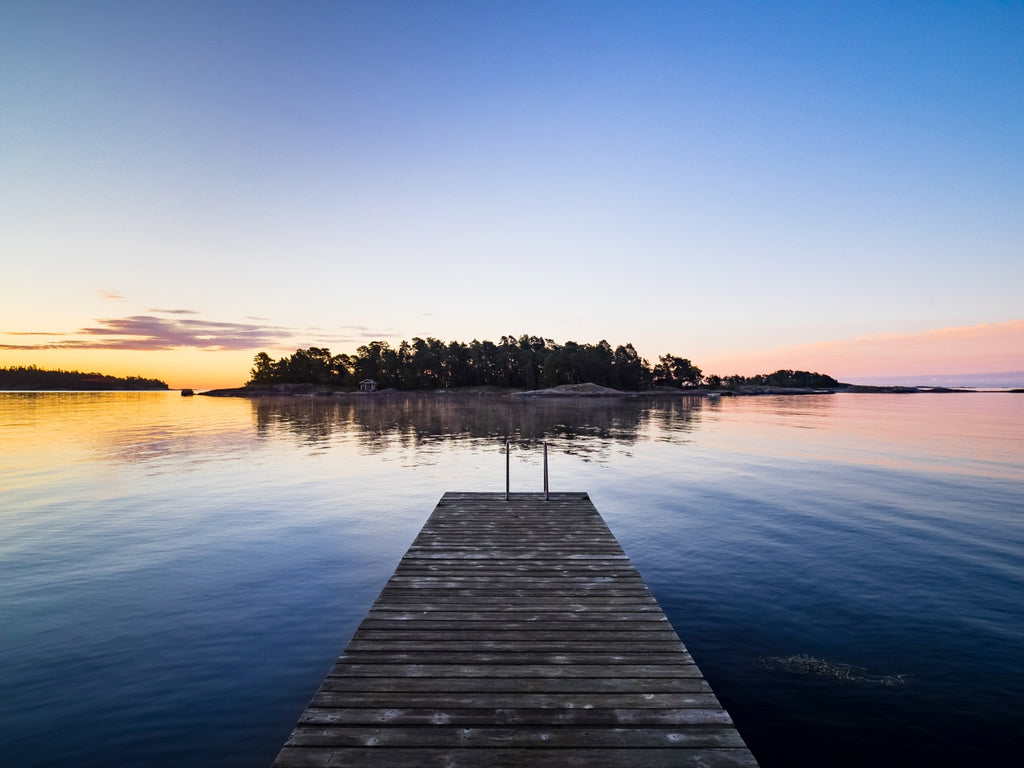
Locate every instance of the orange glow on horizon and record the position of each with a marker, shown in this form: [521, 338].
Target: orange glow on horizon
[180, 368]
[976, 349]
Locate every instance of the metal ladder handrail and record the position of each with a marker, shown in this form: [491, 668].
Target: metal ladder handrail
[508, 454]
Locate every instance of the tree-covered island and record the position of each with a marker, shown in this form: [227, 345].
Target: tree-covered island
[27, 378]
[527, 362]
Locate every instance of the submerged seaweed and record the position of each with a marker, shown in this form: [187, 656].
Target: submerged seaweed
[803, 664]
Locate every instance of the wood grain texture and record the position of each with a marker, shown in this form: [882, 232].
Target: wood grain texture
[515, 633]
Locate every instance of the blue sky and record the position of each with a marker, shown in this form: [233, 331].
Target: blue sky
[187, 183]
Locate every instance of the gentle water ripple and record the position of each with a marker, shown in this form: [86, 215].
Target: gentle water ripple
[179, 573]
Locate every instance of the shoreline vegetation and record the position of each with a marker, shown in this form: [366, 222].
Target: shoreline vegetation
[530, 366]
[32, 378]
[526, 363]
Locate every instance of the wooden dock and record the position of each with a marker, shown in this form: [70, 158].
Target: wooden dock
[515, 633]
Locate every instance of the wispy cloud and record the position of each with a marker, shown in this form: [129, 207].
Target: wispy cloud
[152, 333]
[147, 332]
[112, 295]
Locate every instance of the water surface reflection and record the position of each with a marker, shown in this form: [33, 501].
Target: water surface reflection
[587, 428]
[220, 552]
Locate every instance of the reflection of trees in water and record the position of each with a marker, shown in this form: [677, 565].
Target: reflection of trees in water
[586, 427]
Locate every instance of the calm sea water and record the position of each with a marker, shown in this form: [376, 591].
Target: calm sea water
[178, 574]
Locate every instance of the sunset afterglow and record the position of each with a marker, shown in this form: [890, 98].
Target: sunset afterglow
[751, 186]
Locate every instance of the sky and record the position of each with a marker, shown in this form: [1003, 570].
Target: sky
[827, 186]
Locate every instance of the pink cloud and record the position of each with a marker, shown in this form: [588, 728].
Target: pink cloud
[147, 332]
[151, 333]
[990, 347]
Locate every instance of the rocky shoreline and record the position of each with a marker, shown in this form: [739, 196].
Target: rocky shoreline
[567, 390]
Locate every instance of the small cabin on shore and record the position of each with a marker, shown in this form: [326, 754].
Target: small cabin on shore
[367, 385]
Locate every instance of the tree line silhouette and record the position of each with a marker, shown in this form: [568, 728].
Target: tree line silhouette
[527, 362]
[30, 377]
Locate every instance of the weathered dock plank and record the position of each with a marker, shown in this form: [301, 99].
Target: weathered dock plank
[515, 633]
